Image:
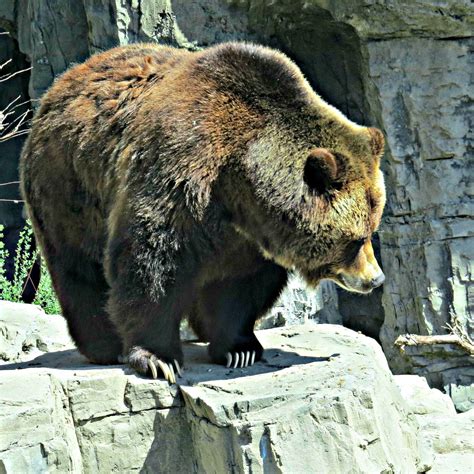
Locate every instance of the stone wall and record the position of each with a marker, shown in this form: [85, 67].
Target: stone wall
[402, 66]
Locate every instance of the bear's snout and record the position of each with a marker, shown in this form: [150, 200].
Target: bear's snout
[377, 281]
[357, 284]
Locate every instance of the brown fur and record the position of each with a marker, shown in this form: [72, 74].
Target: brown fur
[164, 183]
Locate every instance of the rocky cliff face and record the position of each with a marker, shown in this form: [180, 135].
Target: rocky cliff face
[403, 66]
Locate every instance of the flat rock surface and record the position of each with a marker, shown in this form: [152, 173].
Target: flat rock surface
[447, 442]
[446, 439]
[421, 399]
[323, 398]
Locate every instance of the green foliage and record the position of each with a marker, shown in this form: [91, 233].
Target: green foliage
[4, 283]
[23, 262]
[46, 297]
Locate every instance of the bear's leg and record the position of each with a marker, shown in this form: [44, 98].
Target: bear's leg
[150, 331]
[151, 286]
[82, 292]
[227, 311]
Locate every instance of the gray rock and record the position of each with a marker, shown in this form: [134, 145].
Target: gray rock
[323, 399]
[362, 313]
[462, 396]
[36, 426]
[299, 304]
[398, 18]
[446, 439]
[448, 442]
[26, 331]
[422, 399]
[286, 429]
[428, 230]
[7, 14]
[53, 35]
[444, 365]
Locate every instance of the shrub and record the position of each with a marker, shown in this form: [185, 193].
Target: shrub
[23, 261]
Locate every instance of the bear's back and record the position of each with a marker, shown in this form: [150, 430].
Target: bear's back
[107, 81]
[84, 114]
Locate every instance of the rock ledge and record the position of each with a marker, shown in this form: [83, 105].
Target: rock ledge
[324, 397]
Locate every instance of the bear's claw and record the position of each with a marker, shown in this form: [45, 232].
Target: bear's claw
[147, 363]
[167, 369]
[246, 359]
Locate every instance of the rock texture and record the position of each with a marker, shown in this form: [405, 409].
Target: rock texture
[446, 439]
[26, 332]
[299, 304]
[446, 442]
[403, 66]
[324, 398]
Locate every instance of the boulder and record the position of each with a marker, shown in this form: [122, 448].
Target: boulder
[322, 399]
[27, 331]
[462, 396]
[421, 399]
[446, 439]
[299, 304]
[447, 442]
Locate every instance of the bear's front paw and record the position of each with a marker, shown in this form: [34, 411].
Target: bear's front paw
[240, 359]
[147, 363]
[243, 353]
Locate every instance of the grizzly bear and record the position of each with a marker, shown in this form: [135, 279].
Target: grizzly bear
[164, 184]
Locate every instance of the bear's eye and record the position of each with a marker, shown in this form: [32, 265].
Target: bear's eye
[352, 250]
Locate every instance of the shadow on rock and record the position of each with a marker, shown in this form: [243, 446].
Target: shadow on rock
[197, 367]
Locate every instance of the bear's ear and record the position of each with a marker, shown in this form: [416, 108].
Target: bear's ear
[320, 170]
[377, 141]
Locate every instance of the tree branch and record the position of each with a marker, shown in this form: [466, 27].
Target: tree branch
[417, 340]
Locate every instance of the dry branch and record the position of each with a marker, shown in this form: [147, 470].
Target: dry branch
[12, 128]
[417, 340]
[13, 120]
[6, 77]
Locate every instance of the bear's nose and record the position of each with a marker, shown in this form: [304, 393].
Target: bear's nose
[378, 280]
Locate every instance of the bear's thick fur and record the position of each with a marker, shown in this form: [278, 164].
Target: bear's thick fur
[164, 184]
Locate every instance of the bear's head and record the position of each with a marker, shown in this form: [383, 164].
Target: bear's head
[314, 206]
[308, 189]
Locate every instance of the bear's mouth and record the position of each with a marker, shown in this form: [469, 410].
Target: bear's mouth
[354, 285]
